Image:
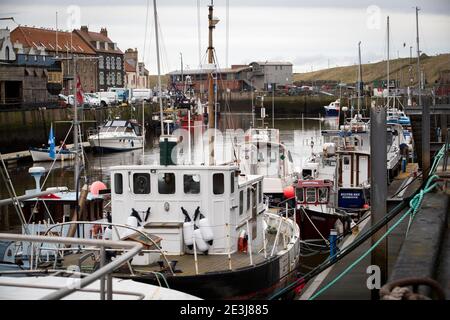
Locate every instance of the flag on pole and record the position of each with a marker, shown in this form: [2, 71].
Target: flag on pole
[51, 142]
[80, 93]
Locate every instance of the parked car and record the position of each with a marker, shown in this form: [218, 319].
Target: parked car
[91, 100]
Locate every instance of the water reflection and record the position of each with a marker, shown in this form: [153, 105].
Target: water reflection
[296, 134]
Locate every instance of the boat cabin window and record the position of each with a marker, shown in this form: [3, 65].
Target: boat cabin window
[166, 183]
[306, 173]
[118, 183]
[346, 161]
[232, 182]
[241, 202]
[249, 194]
[141, 183]
[323, 195]
[191, 183]
[260, 193]
[260, 157]
[299, 193]
[310, 195]
[218, 183]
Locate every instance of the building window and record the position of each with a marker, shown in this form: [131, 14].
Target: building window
[191, 183]
[118, 183]
[101, 62]
[166, 183]
[113, 78]
[107, 63]
[108, 79]
[113, 64]
[141, 183]
[218, 183]
[119, 78]
[119, 63]
[35, 58]
[101, 78]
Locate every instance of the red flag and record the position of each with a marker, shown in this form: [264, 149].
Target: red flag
[80, 92]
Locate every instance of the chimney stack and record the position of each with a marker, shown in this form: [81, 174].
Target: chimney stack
[84, 28]
[104, 32]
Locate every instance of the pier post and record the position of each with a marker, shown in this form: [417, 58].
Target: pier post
[425, 137]
[378, 187]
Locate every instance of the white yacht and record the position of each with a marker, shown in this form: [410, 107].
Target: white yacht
[118, 135]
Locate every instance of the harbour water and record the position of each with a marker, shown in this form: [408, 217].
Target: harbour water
[296, 133]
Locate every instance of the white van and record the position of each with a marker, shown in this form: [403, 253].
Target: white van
[139, 95]
[107, 98]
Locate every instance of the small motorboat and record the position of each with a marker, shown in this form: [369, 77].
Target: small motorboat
[332, 110]
[117, 135]
[43, 154]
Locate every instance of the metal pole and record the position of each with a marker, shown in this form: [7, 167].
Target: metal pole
[75, 124]
[211, 106]
[388, 66]
[159, 67]
[425, 138]
[253, 105]
[378, 187]
[418, 60]
[143, 131]
[102, 279]
[359, 75]
[189, 136]
[273, 106]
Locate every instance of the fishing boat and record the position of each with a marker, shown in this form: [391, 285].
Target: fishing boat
[263, 153]
[117, 135]
[333, 109]
[43, 154]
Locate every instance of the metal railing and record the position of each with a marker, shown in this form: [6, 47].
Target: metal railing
[104, 273]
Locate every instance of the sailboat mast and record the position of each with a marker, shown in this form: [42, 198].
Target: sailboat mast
[75, 125]
[359, 77]
[159, 67]
[211, 107]
[388, 66]
[419, 78]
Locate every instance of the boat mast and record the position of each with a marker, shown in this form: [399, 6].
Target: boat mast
[75, 125]
[211, 112]
[388, 66]
[419, 78]
[159, 68]
[359, 76]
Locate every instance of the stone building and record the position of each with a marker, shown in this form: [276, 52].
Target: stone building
[136, 75]
[110, 71]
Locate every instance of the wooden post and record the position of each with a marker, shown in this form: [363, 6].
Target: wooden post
[75, 213]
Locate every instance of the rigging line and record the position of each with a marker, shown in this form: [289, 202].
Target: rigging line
[165, 57]
[227, 32]
[145, 31]
[199, 38]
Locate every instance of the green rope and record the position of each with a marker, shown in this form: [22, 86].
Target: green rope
[414, 204]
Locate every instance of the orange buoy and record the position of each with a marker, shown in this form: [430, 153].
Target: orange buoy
[289, 192]
[96, 187]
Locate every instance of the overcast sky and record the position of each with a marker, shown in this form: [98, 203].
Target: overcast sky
[311, 34]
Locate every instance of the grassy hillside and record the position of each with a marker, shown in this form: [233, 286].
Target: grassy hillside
[399, 69]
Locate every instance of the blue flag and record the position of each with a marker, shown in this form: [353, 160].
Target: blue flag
[51, 142]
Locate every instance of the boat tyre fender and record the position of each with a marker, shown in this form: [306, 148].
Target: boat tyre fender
[201, 245]
[206, 230]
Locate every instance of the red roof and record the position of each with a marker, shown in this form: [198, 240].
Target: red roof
[38, 37]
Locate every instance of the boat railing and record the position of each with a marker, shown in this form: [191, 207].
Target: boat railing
[104, 273]
[115, 227]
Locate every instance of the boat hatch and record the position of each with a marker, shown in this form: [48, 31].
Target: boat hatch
[313, 192]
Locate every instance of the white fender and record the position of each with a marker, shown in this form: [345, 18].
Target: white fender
[188, 233]
[132, 221]
[206, 230]
[200, 244]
